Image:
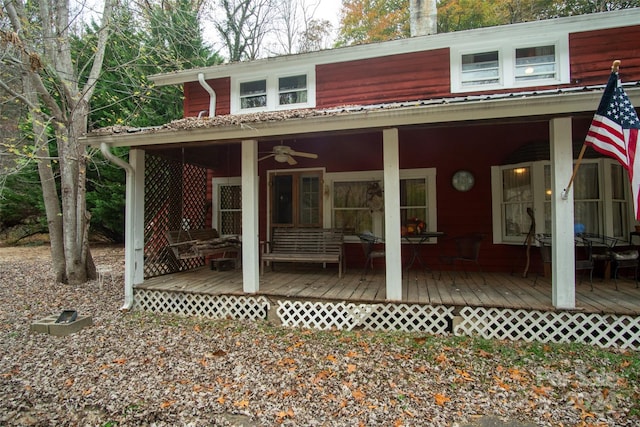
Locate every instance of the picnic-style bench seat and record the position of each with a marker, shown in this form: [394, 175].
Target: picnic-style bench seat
[307, 245]
[187, 244]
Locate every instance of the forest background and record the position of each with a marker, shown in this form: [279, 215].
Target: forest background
[70, 67]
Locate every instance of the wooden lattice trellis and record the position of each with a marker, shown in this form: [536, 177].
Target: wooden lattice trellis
[175, 199]
[346, 316]
[602, 330]
[211, 306]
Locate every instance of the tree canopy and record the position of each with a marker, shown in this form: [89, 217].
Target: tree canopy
[367, 21]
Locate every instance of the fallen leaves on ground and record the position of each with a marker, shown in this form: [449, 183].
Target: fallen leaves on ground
[164, 370]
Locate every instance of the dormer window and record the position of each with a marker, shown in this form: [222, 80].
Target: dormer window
[513, 64]
[273, 91]
[292, 90]
[533, 63]
[253, 94]
[480, 69]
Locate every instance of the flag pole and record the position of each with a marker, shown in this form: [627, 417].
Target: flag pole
[565, 193]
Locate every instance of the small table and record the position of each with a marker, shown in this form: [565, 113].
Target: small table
[416, 240]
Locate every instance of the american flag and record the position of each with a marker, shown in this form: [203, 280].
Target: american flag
[614, 132]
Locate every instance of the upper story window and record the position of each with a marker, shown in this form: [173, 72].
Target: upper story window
[253, 94]
[292, 90]
[480, 68]
[274, 91]
[515, 63]
[533, 63]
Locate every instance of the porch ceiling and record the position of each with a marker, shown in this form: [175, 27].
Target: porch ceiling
[230, 129]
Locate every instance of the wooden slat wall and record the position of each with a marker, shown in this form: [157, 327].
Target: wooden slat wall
[425, 75]
[196, 99]
[592, 53]
[403, 77]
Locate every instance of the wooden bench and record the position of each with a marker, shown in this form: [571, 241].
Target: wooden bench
[187, 244]
[307, 245]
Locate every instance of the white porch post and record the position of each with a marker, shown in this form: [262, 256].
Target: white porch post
[134, 225]
[393, 244]
[563, 273]
[136, 159]
[250, 230]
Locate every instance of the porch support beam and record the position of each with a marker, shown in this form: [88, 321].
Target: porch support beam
[250, 229]
[136, 160]
[133, 219]
[563, 273]
[393, 244]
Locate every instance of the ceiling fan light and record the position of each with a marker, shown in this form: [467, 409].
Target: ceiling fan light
[281, 157]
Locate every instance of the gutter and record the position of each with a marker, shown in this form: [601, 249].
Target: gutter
[129, 258]
[212, 95]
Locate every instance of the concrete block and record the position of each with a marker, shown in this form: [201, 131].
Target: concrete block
[48, 325]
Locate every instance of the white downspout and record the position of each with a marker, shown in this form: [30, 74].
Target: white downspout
[212, 94]
[129, 239]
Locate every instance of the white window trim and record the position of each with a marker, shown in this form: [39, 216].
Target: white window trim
[377, 175]
[538, 189]
[507, 63]
[216, 183]
[272, 80]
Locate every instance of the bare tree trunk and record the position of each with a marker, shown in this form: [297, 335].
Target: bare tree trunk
[48, 46]
[48, 184]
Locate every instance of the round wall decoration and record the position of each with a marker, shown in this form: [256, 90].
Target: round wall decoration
[463, 180]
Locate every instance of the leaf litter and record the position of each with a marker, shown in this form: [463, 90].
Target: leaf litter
[131, 369]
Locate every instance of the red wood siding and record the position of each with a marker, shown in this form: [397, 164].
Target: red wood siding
[448, 149]
[196, 98]
[592, 53]
[403, 77]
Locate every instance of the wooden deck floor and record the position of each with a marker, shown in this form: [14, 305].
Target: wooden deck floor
[500, 290]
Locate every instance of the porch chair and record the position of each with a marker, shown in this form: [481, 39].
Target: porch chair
[467, 250]
[604, 251]
[584, 259]
[544, 243]
[368, 241]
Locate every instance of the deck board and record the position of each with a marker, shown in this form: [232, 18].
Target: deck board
[418, 286]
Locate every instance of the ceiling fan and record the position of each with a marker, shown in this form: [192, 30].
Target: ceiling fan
[283, 153]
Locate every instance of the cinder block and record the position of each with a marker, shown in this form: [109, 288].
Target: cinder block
[48, 325]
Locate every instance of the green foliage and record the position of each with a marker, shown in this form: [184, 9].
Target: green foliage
[22, 197]
[367, 21]
[165, 37]
[169, 40]
[106, 196]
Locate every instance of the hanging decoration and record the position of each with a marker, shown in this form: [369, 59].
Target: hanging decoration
[375, 201]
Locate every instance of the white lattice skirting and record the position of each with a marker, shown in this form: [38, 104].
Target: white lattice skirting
[211, 306]
[345, 316]
[603, 330]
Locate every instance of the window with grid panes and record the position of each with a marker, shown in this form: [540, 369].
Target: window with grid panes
[296, 199]
[600, 192]
[227, 205]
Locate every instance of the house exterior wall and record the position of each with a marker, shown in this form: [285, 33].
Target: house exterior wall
[447, 149]
[196, 98]
[426, 74]
[592, 53]
[405, 77]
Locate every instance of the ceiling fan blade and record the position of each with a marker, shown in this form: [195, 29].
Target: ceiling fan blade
[291, 161]
[302, 154]
[266, 157]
